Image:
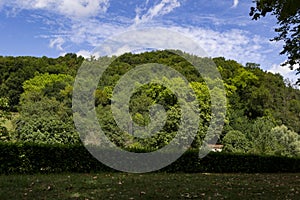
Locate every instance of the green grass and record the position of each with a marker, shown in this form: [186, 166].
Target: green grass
[150, 186]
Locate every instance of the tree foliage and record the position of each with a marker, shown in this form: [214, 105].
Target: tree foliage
[4, 115]
[15, 70]
[287, 13]
[236, 142]
[288, 142]
[45, 112]
[256, 101]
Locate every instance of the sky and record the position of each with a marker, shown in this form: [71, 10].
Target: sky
[223, 28]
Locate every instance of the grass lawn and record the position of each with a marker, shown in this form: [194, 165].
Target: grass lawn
[150, 186]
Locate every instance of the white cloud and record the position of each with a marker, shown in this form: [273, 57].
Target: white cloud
[57, 43]
[235, 3]
[68, 8]
[79, 26]
[83, 8]
[92, 32]
[285, 71]
[84, 53]
[148, 39]
[162, 8]
[88, 54]
[232, 44]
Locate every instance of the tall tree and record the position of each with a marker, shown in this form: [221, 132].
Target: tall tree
[287, 13]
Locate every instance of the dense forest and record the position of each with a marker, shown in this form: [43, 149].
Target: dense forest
[262, 109]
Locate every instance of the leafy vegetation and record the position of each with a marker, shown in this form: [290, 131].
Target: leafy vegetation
[16, 158]
[15, 70]
[45, 113]
[287, 13]
[4, 115]
[262, 108]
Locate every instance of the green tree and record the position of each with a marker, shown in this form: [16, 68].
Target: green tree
[45, 121]
[287, 13]
[235, 142]
[45, 85]
[288, 141]
[15, 70]
[45, 110]
[263, 142]
[4, 115]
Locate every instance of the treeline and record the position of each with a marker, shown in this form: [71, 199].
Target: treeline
[262, 108]
[15, 70]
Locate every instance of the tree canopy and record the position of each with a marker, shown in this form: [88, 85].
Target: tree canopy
[287, 13]
[262, 109]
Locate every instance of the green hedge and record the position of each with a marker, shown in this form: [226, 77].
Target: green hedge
[33, 158]
[233, 163]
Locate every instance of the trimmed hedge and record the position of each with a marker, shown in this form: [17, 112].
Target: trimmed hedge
[233, 163]
[33, 158]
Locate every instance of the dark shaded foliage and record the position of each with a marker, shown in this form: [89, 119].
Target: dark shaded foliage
[33, 158]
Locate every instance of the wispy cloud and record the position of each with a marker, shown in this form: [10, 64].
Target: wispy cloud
[93, 32]
[235, 3]
[68, 8]
[77, 22]
[84, 53]
[57, 43]
[285, 71]
[162, 8]
[232, 44]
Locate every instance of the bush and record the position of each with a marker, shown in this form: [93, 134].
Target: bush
[236, 142]
[46, 130]
[34, 158]
[288, 142]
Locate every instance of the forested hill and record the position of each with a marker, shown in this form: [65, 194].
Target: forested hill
[254, 97]
[256, 92]
[15, 70]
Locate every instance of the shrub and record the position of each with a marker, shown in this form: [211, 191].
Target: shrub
[236, 142]
[288, 141]
[44, 158]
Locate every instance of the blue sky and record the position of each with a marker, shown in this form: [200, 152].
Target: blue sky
[221, 27]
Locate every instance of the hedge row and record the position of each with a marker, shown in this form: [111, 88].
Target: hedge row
[33, 158]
